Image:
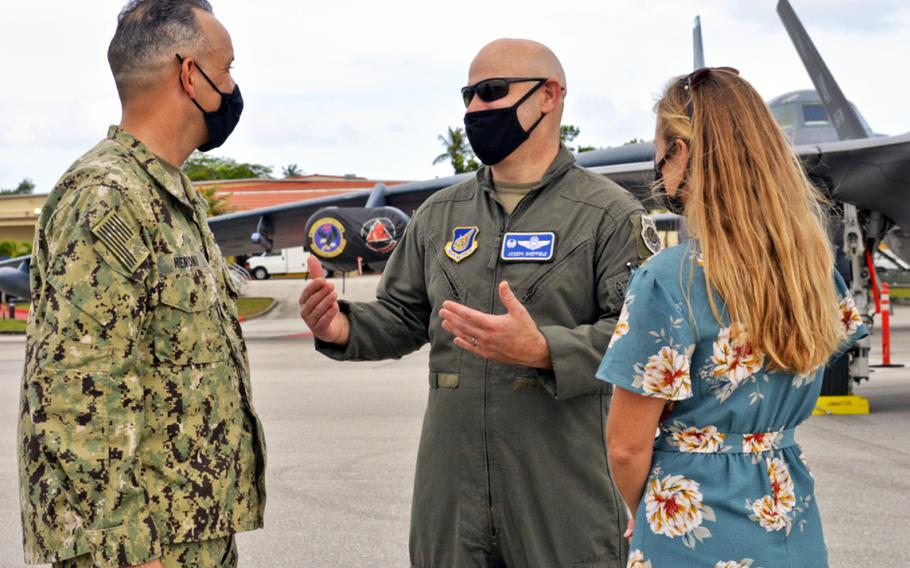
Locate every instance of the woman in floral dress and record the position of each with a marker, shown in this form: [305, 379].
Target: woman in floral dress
[725, 377]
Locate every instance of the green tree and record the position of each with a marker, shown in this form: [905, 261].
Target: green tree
[25, 187]
[217, 204]
[201, 167]
[568, 133]
[291, 170]
[458, 151]
[633, 141]
[12, 249]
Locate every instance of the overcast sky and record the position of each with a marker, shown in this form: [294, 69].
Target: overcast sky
[365, 87]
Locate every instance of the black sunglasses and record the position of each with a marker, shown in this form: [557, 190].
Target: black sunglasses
[697, 77]
[490, 90]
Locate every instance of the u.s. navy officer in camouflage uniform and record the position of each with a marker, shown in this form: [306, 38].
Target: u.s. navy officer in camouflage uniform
[138, 442]
[515, 278]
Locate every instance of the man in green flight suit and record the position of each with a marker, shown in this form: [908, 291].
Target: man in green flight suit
[138, 441]
[515, 278]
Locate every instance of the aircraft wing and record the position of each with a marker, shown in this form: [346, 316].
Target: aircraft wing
[286, 223]
[872, 173]
[15, 262]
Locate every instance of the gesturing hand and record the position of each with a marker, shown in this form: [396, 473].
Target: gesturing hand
[319, 307]
[511, 338]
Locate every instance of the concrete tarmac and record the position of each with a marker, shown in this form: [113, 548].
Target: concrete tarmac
[342, 441]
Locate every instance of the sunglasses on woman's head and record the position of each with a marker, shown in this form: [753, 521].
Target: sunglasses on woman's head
[698, 76]
[490, 90]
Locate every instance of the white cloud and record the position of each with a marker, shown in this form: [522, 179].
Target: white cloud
[365, 87]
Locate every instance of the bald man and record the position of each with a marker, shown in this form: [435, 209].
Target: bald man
[516, 278]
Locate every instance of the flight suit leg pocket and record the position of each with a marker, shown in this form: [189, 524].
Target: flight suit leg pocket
[528, 384]
[444, 380]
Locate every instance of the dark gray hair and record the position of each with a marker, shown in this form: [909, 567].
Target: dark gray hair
[149, 34]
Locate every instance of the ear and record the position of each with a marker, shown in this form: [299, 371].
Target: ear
[187, 77]
[682, 149]
[552, 91]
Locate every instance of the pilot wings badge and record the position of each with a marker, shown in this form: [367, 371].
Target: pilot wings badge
[533, 247]
[463, 243]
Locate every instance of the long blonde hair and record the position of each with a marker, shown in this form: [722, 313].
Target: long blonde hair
[760, 222]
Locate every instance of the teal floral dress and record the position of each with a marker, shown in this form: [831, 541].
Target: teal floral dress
[729, 487]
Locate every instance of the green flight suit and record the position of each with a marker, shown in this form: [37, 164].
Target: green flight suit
[136, 427]
[512, 463]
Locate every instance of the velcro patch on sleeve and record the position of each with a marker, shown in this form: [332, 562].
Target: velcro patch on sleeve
[121, 240]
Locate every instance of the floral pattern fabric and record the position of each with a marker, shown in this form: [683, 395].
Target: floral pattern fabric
[754, 508]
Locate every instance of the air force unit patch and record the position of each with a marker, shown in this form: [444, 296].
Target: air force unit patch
[533, 247]
[463, 243]
[649, 234]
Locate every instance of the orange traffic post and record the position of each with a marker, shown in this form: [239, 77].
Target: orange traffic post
[886, 328]
[886, 325]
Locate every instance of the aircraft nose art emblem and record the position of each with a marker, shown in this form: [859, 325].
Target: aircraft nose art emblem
[327, 237]
[463, 243]
[379, 234]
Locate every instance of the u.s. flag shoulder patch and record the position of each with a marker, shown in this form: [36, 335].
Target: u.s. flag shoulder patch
[121, 240]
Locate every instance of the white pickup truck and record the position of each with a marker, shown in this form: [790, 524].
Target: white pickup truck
[282, 261]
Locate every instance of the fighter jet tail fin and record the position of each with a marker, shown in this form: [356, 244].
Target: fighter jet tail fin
[698, 52]
[844, 117]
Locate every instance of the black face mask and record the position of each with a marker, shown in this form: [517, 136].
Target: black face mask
[496, 133]
[220, 123]
[673, 203]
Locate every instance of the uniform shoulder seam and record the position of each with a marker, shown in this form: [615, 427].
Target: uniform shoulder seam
[450, 194]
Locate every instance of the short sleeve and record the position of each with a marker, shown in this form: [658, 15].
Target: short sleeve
[849, 316]
[651, 350]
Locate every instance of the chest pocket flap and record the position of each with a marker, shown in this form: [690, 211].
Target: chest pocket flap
[187, 329]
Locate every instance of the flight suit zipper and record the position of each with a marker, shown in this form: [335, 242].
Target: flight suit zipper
[504, 224]
[450, 280]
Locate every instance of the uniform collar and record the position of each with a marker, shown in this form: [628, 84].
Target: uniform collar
[561, 163]
[150, 163]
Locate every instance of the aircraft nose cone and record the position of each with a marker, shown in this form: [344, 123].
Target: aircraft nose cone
[14, 282]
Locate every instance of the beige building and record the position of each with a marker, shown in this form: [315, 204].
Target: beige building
[19, 216]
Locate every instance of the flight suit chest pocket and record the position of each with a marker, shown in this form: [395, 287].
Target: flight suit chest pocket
[564, 275]
[186, 328]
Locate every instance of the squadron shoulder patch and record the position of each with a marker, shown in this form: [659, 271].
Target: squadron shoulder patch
[121, 240]
[463, 243]
[650, 235]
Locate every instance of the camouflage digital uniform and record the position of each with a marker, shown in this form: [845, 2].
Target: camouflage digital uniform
[136, 427]
[214, 553]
